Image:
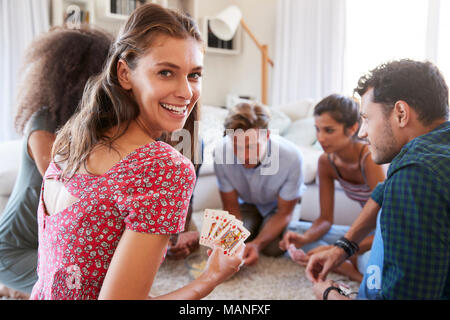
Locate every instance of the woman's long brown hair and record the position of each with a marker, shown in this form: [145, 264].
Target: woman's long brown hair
[105, 104]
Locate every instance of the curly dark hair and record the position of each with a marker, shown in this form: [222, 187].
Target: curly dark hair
[420, 84]
[55, 70]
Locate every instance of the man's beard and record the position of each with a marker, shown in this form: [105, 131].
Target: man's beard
[386, 148]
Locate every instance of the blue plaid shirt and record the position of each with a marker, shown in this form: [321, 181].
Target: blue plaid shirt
[415, 220]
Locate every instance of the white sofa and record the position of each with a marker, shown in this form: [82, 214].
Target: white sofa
[9, 168]
[294, 121]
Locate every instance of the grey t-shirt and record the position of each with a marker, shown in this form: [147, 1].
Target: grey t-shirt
[18, 222]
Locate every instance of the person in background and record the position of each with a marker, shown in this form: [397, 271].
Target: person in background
[187, 242]
[113, 193]
[404, 110]
[346, 160]
[56, 67]
[262, 183]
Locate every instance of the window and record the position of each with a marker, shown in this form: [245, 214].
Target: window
[383, 30]
[443, 45]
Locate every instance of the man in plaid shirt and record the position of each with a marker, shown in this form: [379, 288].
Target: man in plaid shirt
[404, 108]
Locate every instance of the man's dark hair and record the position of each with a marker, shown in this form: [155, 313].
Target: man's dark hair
[420, 84]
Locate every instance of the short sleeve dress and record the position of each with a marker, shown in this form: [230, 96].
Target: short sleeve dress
[147, 191]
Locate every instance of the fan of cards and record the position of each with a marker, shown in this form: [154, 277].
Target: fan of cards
[222, 229]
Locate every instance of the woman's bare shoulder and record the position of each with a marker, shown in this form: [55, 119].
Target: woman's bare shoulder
[324, 166]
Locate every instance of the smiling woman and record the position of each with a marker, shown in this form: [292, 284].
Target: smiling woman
[156, 60]
[166, 83]
[113, 195]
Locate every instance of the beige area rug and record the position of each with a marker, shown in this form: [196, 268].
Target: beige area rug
[271, 279]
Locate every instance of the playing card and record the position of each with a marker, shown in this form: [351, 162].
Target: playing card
[219, 228]
[224, 221]
[232, 236]
[296, 254]
[211, 219]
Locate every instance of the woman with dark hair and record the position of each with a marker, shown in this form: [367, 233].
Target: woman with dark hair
[55, 70]
[345, 159]
[113, 193]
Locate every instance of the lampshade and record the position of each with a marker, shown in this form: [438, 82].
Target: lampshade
[226, 22]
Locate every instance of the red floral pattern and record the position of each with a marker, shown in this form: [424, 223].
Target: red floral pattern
[147, 191]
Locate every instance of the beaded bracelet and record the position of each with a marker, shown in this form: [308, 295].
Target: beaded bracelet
[350, 247]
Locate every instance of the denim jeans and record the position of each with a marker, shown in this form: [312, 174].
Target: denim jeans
[335, 232]
[254, 222]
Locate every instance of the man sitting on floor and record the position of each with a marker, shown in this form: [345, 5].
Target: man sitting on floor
[260, 178]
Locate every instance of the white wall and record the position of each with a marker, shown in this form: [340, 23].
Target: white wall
[239, 74]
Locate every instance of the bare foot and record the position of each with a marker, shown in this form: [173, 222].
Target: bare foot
[349, 270]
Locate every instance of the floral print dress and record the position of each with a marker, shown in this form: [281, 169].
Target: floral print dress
[147, 191]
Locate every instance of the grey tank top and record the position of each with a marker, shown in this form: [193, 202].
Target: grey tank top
[18, 222]
[357, 192]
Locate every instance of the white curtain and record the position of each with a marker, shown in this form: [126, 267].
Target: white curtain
[20, 22]
[310, 45]
[441, 55]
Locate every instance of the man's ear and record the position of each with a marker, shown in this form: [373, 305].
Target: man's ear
[124, 74]
[353, 129]
[402, 113]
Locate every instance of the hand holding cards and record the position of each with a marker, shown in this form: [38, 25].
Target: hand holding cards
[222, 229]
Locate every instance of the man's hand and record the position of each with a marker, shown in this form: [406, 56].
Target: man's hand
[187, 243]
[319, 249]
[321, 286]
[322, 262]
[302, 258]
[291, 237]
[251, 253]
[298, 255]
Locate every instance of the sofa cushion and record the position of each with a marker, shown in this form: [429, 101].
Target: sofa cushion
[310, 158]
[9, 165]
[211, 131]
[279, 122]
[302, 132]
[297, 110]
